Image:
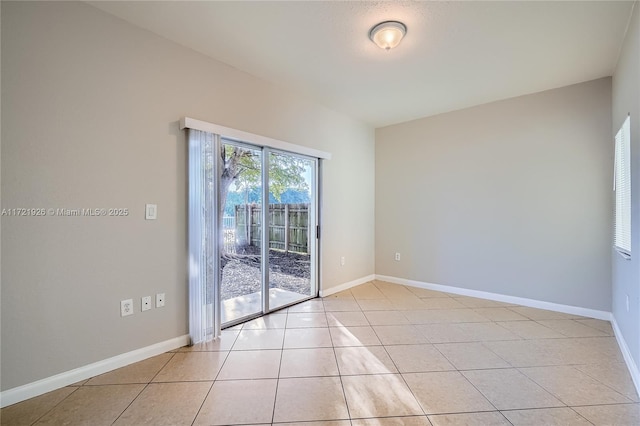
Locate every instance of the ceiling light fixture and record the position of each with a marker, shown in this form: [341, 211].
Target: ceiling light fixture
[387, 35]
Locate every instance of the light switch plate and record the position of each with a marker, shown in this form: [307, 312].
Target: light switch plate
[151, 212]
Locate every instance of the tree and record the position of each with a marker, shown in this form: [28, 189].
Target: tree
[242, 167]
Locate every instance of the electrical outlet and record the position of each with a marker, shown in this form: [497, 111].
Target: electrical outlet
[159, 300]
[342, 261]
[126, 307]
[146, 303]
[398, 257]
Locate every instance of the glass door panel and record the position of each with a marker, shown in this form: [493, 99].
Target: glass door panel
[241, 250]
[291, 229]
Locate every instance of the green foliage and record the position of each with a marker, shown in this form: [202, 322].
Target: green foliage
[242, 167]
[286, 172]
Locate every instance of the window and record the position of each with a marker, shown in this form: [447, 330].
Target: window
[622, 188]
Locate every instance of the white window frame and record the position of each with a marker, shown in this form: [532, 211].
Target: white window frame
[622, 188]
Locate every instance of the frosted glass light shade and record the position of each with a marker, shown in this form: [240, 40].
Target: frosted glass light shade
[387, 35]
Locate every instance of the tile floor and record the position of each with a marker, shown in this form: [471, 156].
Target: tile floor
[378, 354]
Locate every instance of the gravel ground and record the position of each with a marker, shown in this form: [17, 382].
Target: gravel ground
[288, 271]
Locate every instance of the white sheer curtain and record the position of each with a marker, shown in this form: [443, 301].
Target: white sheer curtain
[204, 255]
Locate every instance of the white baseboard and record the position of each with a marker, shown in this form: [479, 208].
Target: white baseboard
[346, 286]
[628, 359]
[30, 390]
[567, 309]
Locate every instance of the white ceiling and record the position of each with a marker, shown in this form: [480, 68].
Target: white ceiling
[455, 54]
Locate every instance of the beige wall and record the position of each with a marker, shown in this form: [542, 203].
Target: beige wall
[626, 273]
[512, 197]
[90, 106]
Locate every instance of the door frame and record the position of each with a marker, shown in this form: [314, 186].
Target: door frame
[314, 225]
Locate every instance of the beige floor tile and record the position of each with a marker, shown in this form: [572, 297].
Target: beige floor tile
[426, 293]
[238, 402]
[366, 291]
[251, 365]
[572, 328]
[508, 389]
[395, 291]
[500, 314]
[27, 412]
[296, 338]
[340, 305]
[306, 319]
[223, 343]
[399, 334]
[354, 336]
[573, 387]
[435, 392]
[471, 356]
[546, 416]
[409, 303]
[344, 295]
[259, 339]
[139, 372]
[386, 318]
[170, 404]
[418, 358]
[364, 360]
[542, 314]
[191, 366]
[267, 321]
[618, 415]
[466, 332]
[491, 418]
[604, 326]
[615, 375]
[320, 423]
[475, 302]
[82, 382]
[92, 405]
[531, 330]
[313, 305]
[436, 316]
[312, 362]
[487, 331]
[384, 395]
[442, 303]
[393, 421]
[444, 333]
[346, 319]
[597, 350]
[382, 283]
[545, 352]
[310, 399]
[376, 305]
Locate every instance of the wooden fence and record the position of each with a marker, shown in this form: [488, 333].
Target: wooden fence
[288, 226]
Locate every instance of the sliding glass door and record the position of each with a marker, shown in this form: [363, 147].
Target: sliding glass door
[292, 230]
[241, 252]
[268, 204]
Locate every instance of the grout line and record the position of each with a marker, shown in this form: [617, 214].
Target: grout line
[202, 403]
[56, 405]
[275, 397]
[131, 403]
